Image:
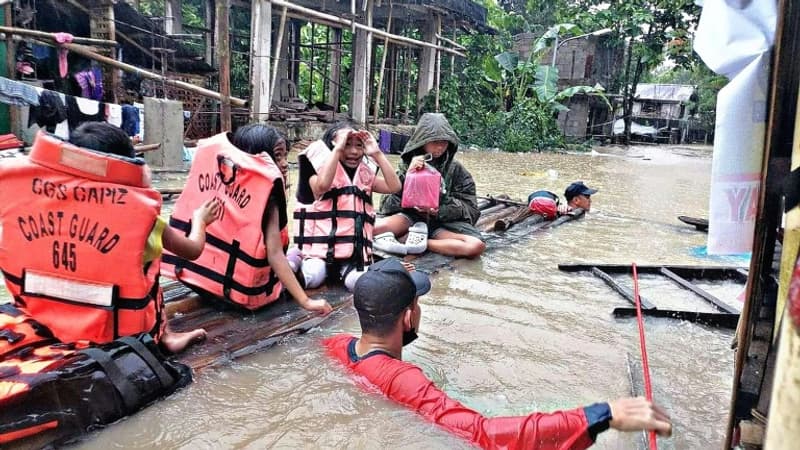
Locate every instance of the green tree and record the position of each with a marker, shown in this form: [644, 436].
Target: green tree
[651, 30]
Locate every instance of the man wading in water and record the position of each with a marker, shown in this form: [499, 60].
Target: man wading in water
[387, 300]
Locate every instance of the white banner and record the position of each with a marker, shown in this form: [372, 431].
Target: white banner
[734, 39]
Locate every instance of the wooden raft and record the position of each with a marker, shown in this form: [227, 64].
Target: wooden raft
[234, 332]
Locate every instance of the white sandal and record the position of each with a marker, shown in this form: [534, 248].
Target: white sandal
[388, 243]
[417, 240]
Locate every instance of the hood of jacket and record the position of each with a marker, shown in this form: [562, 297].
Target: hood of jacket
[431, 127]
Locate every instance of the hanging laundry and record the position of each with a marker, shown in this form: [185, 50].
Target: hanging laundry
[50, 112]
[18, 94]
[80, 110]
[97, 92]
[91, 84]
[385, 140]
[63, 38]
[130, 120]
[114, 114]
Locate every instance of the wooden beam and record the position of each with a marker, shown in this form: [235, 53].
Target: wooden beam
[312, 14]
[276, 64]
[224, 61]
[86, 52]
[260, 57]
[377, 109]
[361, 69]
[622, 290]
[51, 36]
[686, 271]
[118, 34]
[723, 320]
[702, 293]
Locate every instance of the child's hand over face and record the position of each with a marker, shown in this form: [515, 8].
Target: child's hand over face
[371, 147]
[208, 212]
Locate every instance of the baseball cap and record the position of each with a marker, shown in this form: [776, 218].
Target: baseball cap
[388, 288]
[578, 188]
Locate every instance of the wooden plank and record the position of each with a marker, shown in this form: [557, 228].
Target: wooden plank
[686, 271]
[699, 224]
[702, 293]
[234, 332]
[572, 215]
[622, 290]
[722, 320]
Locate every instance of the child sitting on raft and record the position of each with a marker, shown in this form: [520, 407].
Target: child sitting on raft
[104, 137]
[334, 215]
[258, 139]
[92, 204]
[244, 263]
[450, 229]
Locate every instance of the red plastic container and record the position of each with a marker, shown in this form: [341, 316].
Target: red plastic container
[421, 188]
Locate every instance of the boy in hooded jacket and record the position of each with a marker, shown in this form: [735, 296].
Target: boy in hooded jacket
[450, 229]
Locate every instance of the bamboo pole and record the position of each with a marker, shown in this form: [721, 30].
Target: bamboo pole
[451, 42]
[310, 13]
[377, 109]
[83, 51]
[45, 35]
[122, 36]
[224, 62]
[276, 60]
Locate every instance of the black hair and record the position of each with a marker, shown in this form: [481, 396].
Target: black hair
[330, 133]
[256, 138]
[103, 137]
[381, 324]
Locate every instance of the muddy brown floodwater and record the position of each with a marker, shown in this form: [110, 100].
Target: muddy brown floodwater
[505, 334]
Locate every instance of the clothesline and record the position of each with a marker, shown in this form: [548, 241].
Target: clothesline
[58, 113]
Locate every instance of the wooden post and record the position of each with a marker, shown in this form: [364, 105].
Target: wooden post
[361, 67]
[327, 70]
[10, 62]
[311, 64]
[224, 60]
[407, 60]
[783, 428]
[427, 64]
[102, 26]
[260, 55]
[210, 36]
[278, 53]
[174, 17]
[377, 109]
[392, 84]
[294, 63]
[336, 70]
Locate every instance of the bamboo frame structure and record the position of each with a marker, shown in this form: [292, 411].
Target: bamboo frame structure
[311, 14]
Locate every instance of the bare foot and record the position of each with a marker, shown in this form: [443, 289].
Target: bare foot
[177, 342]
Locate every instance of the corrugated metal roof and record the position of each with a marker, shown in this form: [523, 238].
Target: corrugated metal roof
[665, 92]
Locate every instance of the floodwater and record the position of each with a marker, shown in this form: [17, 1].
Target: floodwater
[505, 334]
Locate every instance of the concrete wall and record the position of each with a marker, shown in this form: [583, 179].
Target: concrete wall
[163, 124]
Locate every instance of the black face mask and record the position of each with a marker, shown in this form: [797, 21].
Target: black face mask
[409, 336]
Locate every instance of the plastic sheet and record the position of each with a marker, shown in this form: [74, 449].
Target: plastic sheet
[734, 39]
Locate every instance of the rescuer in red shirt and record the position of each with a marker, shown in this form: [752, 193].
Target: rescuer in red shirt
[386, 298]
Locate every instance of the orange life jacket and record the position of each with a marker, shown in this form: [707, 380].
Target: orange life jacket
[337, 226]
[234, 264]
[51, 392]
[75, 224]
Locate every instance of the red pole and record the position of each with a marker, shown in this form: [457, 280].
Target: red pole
[648, 387]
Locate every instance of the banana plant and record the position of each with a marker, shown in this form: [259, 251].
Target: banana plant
[518, 78]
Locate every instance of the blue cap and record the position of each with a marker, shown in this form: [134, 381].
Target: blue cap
[578, 188]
